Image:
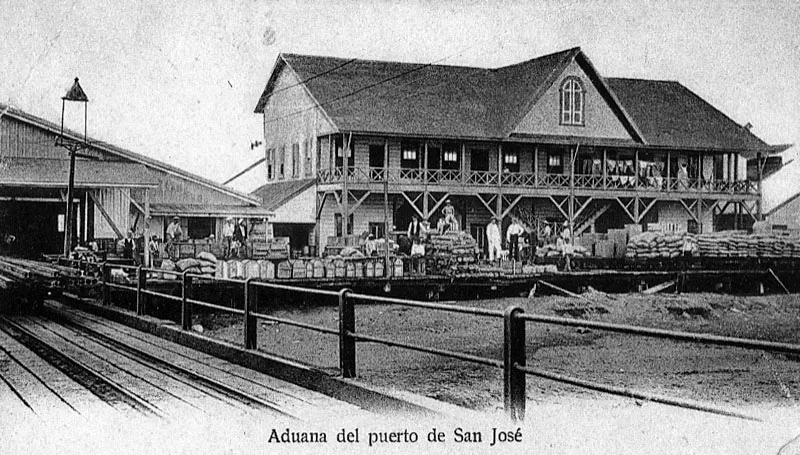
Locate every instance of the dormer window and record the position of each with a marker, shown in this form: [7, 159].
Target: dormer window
[572, 102]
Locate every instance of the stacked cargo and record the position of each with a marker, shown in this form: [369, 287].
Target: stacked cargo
[451, 252]
[741, 244]
[204, 263]
[651, 245]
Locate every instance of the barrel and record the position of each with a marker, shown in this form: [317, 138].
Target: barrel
[369, 268]
[398, 267]
[319, 268]
[241, 269]
[309, 269]
[358, 265]
[284, 270]
[299, 269]
[379, 268]
[224, 269]
[349, 269]
[252, 269]
[341, 270]
[330, 268]
[266, 269]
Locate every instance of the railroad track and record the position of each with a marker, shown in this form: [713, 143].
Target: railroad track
[126, 378]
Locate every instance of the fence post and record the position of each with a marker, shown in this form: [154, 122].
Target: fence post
[513, 355]
[141, 284]
[347, 344]
[250, 326]
[105, 273]
[186, 306]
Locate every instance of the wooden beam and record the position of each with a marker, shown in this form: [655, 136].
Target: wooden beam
[647, 208]
[559, 206]
[511, 206]
[774, 275]
[437, 204]
[358, 202]
[625, 207]
[413, 203]
[106, 216]
[661, 287]
[488, 204]
[147, 258]
[583, 206]
[321, 203]
[689, 209]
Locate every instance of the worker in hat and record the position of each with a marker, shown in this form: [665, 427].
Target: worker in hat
[174, 234]
[227, 235]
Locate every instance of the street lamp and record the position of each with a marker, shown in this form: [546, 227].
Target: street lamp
[76, 94]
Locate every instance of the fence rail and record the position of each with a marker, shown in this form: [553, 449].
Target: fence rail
[513, 338]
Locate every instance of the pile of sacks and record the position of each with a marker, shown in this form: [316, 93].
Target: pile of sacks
[650, 245]
[741, 244]
[551, 251]
[203, 264]
[348, 253]
[451, 252]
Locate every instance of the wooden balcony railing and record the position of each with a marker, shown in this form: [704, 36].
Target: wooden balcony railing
[545, 181]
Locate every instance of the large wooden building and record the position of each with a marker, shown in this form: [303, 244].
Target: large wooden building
[116, 191]
[546, 140]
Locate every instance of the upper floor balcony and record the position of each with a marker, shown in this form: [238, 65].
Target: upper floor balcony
[478, 180]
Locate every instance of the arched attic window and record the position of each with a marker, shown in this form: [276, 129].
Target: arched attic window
[572, 101]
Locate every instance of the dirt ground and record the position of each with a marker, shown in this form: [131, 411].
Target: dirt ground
[721, 375]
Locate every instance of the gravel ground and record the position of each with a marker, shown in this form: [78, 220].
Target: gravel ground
[709, 373]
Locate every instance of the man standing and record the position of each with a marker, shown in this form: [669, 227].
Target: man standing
[240, 237]
[493, 239]
[227, 235]
[449, 213]
[174, 234]
[512, 237]
[128, 246]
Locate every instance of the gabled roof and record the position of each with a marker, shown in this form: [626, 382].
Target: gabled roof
[670, 115]
[414, 99]
[124, 153]
[274, 195]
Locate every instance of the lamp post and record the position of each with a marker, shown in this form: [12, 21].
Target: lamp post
[75, 94]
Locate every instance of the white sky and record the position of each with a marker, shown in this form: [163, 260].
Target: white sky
[178, 80]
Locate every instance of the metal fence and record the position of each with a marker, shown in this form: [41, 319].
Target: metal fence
[515, 321]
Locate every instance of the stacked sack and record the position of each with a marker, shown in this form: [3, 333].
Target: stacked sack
[552, 251]
[651, 245]
[451, 252]
[741, 244]
[204, 264]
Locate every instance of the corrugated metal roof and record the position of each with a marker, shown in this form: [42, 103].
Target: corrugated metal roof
[29, 172]
[273, 195]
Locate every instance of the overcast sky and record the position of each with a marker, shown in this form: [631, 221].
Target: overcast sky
[179, 80]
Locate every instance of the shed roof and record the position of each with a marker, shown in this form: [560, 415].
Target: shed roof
[27, 172]
[207, 210]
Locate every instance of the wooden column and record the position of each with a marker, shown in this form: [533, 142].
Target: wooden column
[536, 166]
[345, 190]
[147, 258]
[463, 165]
[759, 213]
[499, 201]
[636, 171]
[573, 152]
[605, 168]
[386, 264]
[669, 160]
[425, 193]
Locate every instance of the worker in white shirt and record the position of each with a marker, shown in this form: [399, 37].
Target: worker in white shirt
[512, 237]
[493, 239]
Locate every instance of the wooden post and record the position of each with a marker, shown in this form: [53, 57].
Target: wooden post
[147, 258]
[605, 168]
[386, 207]
[514, 356]
[250, 323]
[141, 285]
[573, 155]
[68, 218]
[186, 306]
[347, 345]
[345, 190]
[669, 163]
[499, 201]
[636, 171]
[425, 213]
[106, 272]
[536, 166]
[759, 213]
[463, 165]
